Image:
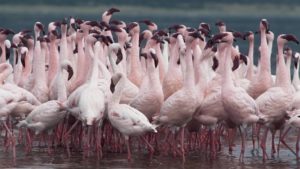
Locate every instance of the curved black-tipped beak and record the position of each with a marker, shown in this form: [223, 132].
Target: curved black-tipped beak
[57, 23]
[119, 56]
[64, 21]
[196, 34]
[215, 64]
[247, 34]
[8, 31]
[23, 59]
[266, 25]
[244, 58]
[93, 23]
[290, 37]
[218, 37]
[70, 72]
[154, 57]
[26, 31]
[238, 35]
[220, 23]
[147, 22]
[131, 26]
[112, 86]
[112, 11]
[236, 63]
[143, 55]
[114, 28]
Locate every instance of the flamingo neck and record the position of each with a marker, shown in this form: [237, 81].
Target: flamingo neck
[94, 71]
[39, 65]
[264, 65]
[296, 81]
[3, 55]
[282, 78]
[62, 89]
[189, 75]
[227, 80]
[116, 96]
[250, 70]
[53, 61]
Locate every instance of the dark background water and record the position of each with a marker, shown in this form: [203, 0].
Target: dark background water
[23, 16]
[283, 16]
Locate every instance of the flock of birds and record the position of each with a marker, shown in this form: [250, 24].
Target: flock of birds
[80, 87]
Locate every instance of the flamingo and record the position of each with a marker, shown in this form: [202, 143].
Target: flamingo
[135, 69]
[40, 87]
[150, 90]
[241, 109]
[173, 80]
[296, 81]
[178, 109]
[276, 100]
[128, 120]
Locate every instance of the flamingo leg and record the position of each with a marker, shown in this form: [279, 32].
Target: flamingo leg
[150, 148]
[12, 139]
[263, 144]
[284, 143]
[273, 143]
[128, 149]
[297, 145]
[242, 154]
[182, 144]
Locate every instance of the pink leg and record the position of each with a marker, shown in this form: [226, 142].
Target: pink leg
[182, 144]
[253, 135]
[284, 143]
[242, 154]
[128, 149]
[70, 130]
[297, 145]
[13, 141]
[263, 144]
[273, 144]
[150, 148]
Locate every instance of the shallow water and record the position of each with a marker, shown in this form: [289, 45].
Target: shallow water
[39, 158]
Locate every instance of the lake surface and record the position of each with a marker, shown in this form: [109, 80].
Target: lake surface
[39, 158]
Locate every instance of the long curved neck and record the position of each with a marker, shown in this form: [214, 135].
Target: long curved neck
[3, 55]
[189, 76]
[161, 65]
[61, 89]
[296, 81]
[94, 70]
[134, 58]
[265, 65]
[116, 96]
[282, 78]
[53, 61]
[27, 68]
[250, 70]
[112, 62]
[63, 54]
[227, 80]
[288, 65]
[39, 65]
[6, 71]
[197, 53]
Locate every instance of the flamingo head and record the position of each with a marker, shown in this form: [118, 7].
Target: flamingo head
[287, 38]
[114, 81]
[296, 59]
[151, 25]
[153, 56]
[204, 26]
[249, 35]
[133, 28]
[264, 25]
[236, 63]
[39, 27]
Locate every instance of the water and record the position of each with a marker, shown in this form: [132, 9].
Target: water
[39, 158]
